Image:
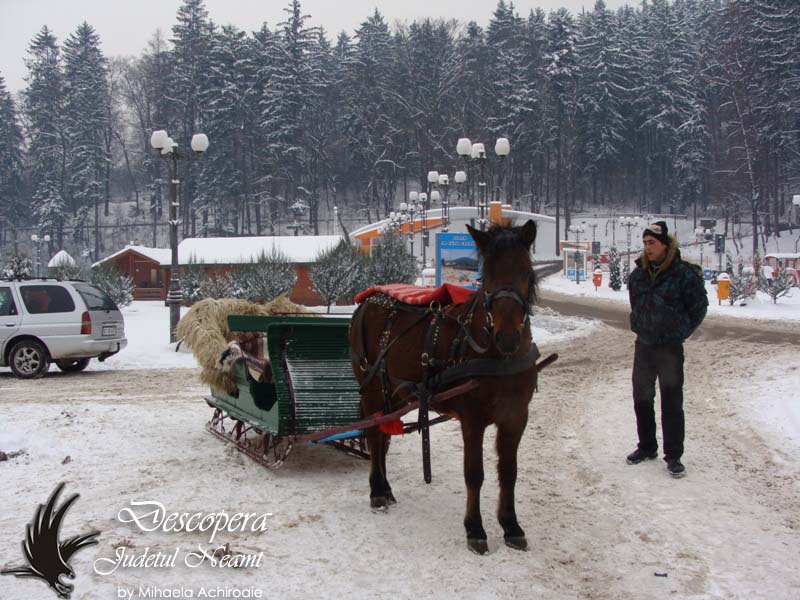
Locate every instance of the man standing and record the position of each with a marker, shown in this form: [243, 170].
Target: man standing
[668, 301]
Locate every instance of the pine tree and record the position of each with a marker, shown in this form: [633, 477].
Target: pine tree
[562, 70]
[338, 272]
[779, 286]
[729, 263]
[272, 275]
[18, 267]
[85, 124]
[602, 89]
[614, 281]
[191, 279]
[226, 98]
[118, 286]
[191, 41]
[391, 262]
[13, 211]
[218, 286]
[43, 108]
[370, 112]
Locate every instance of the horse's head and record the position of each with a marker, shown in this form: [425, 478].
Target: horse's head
[508, 281]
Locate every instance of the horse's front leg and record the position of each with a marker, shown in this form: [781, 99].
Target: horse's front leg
[380, 494]
[472, 432]
[508, 438]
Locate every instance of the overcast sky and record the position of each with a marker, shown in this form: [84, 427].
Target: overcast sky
[126, 25]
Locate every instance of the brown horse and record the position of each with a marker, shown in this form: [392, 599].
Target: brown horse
[398, 351]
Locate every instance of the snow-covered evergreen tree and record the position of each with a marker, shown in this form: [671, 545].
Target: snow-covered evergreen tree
[614, 280]
[779, 286]
[118, 286]
[602, 93]
[729, 263]
[191, 40]
[269, 277]
[18, 267]
[218, 285]
[13, 210]
[191, 280]
[391, 262]
[743, 286]
[227, 99]
[43, 108]
[85, 120]
[338, 272]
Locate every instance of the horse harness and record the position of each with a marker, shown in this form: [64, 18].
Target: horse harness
[438, 373]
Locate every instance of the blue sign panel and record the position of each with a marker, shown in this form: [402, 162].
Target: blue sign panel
[457, 260]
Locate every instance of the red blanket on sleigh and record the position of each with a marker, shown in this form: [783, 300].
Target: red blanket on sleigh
[419, 295]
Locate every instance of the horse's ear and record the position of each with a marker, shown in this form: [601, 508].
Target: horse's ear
[528, 232]
[481, 238]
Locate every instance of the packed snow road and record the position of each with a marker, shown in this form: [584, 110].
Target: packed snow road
[597, 527]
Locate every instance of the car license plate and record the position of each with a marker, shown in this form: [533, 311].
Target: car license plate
[109, 329]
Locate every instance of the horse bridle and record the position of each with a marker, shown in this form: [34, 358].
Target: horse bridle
[506, 291]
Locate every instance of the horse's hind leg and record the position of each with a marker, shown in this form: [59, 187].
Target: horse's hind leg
[378, 486]
[508, 438]
[472, 432]
[386, 487]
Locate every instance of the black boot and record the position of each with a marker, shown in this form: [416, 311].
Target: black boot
[637, 456]
[676, 468]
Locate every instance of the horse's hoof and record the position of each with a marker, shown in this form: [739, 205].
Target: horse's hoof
[517, 542]
[478, 546]
[379, 504]
[390, 499]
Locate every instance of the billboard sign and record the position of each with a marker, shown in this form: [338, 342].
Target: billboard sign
[457, 260]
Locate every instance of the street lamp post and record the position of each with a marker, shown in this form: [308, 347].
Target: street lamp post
[38, 241]
[477, 151]
[167, 150]
[628, 223]
[577, 230]
[413, 199]
[444, 183]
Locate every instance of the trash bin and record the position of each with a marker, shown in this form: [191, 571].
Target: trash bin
[597, 278]
[723, 287]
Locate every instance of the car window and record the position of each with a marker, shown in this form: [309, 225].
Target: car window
[95, 298]
[7, 306]
[45, 299]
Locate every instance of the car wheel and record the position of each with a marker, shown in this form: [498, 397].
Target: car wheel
[73, 365]
[28, 359]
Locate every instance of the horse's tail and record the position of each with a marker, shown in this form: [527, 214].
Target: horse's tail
[546, 362]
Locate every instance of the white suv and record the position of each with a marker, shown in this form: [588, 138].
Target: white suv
[67, 322]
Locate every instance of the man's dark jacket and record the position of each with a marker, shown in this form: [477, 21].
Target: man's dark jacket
[667, 304]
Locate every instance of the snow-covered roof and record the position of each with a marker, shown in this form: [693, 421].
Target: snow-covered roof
[237, 250]
[61, 257]
[162, 256]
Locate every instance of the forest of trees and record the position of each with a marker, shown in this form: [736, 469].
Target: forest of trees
[685, 106]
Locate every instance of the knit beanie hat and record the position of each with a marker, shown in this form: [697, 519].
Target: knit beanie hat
[657, 230]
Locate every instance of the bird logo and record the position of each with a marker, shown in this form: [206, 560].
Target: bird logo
[48, 559]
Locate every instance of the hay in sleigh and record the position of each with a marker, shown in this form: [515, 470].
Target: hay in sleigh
[204, 329]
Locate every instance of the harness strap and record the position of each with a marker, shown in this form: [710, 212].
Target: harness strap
[373, 368]
[485, 367]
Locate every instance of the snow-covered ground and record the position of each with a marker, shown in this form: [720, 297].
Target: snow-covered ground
[761, 308]
[597, 527]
